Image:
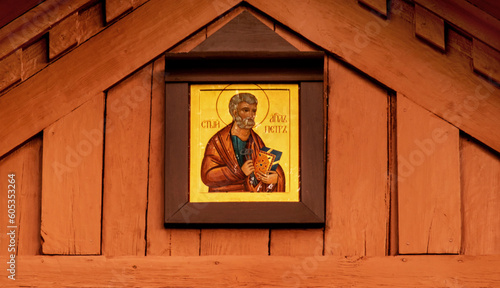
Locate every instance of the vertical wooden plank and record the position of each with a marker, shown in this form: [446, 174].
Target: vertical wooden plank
[480, 171]
[72, 181]
[126, 165]
[158, 238]
[63, 36]
[486, 60]
[428, 181]
[380, 6]
[25, 163]
[357, 187]
[296, 242]
[90, 22]
[34, 58]
[116, 8]
[161, 241]
[234, 242]
[10, 69]
[429, 27]
[28, 210]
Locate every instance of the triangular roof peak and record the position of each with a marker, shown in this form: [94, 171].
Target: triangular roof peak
[245, 33]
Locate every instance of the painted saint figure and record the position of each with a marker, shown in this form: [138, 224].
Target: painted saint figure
[227, 165]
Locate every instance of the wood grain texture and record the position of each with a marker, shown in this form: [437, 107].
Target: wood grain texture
[234, 242]
[486, 60]
[428, 181]
[429, 27]
[389, 52]
[25, 163]
[36, 22]
[380, 6]
[296, 242]
[161, 241]
[41, 100]
[244, 33]
[491, 7]
[10, 69]
[11, 9]
[34, 58]
[184, 242]
[312, 142]
[222, 21]
[176, 148]
[235, 12]
[116, 8]
[126, 157]
[357, 185]
[468, 17]
[63, 36]
[480, 171]
[158, 238]
[190, 43]
[258, 271]
[296, 40]
[90, 22]
[456, 41]
[72, 181]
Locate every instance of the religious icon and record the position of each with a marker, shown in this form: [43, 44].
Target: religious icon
[244, 143]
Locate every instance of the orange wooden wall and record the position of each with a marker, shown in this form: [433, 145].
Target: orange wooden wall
[400, 179]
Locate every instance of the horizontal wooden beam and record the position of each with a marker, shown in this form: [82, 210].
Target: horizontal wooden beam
[255, 271]
[82, 73]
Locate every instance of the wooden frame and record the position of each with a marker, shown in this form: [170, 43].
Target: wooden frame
[303, 68]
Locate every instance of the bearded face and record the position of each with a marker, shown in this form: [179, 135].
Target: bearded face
[244, 115]
[246, 123]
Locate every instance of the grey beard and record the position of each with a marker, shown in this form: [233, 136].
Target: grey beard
[246, 123]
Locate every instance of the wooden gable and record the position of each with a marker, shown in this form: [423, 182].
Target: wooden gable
[412, 145]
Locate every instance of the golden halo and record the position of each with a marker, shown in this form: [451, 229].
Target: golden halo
[222, 103]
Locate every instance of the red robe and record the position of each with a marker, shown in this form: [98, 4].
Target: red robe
[221, 172]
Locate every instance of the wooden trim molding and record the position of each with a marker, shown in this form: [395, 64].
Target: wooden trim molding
[258, 66]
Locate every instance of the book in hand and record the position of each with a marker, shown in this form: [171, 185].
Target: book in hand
[267, 160]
